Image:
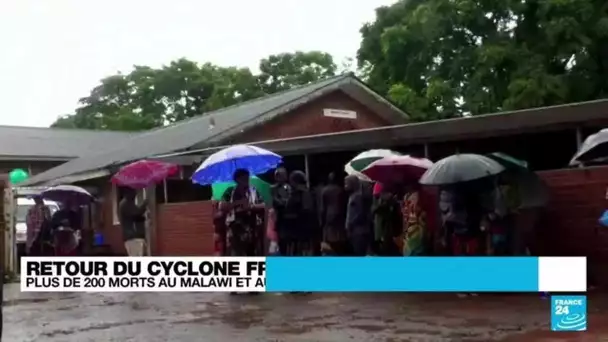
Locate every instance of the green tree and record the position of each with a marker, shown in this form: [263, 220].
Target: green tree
[287, 70]
[152, 97]
[441, 59]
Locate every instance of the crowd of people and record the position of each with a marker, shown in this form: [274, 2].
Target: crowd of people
[53, 235]
[59, 234]
[358, 218]
[349, 218]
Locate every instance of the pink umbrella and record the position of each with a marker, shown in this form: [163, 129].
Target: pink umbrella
[392, 168]
[143, 173]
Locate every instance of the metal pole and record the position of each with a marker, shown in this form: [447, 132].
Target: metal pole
[165, 192]
[579, 143]
[579, 138]
[426, 151]
[306, 170]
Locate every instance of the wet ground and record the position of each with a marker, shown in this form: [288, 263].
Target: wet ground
[289, 317]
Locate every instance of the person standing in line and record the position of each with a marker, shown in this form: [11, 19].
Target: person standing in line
[462, 215]
[219, 225]
[280, 191]
[132, 219]
[388, 222]
[332, 216]
[502, 216]
[38, 218]
[67, 227]
[244, 208]
[301, 217]
[417, 223]
[358, 216]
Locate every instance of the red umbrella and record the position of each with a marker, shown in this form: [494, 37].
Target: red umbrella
[396, 167]
[143, 173]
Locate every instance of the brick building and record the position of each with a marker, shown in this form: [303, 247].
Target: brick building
[338, 104]
[329, 122]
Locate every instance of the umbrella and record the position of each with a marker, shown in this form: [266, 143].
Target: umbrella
[220, 166]
[363, 159]
[460, 168]
[532, 190]
[143, 173]
[407, 168]
[67, 193]
[218, 189]
[507, 161]
[594, 147]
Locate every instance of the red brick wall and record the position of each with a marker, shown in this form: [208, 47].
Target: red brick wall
[570, 225]
[309, 120]
[185, 229]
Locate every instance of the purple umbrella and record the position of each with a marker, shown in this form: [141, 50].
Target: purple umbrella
[67, 193]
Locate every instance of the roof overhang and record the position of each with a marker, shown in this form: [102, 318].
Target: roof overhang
[570, 116]
[17, 158]
[80, 177]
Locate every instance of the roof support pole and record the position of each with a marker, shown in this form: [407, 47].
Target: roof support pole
[426, 151]
[579, 138]
[307, 169]
[579, 142]
[152, 221]
[165, 196]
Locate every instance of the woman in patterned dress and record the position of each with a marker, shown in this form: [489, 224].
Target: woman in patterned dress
[416, 236]
[244, 210]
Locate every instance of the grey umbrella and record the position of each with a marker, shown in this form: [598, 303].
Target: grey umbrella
[460, 168]
[594, 148]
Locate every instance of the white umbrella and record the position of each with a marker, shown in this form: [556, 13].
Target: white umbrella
[67, 193]
[363, 160]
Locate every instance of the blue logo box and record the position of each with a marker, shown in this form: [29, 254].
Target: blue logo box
[568, 313]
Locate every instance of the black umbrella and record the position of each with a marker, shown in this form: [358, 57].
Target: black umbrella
[594, 147]
[460, 168]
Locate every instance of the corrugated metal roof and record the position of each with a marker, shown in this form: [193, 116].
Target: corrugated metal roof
[44, 143]
[213, 127]
[524, 121]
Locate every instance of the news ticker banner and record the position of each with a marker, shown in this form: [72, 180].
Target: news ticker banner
[311, 274]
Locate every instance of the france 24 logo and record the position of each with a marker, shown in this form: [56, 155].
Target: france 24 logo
[569, 313]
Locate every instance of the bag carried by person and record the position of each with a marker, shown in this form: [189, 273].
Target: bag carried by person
[273, 249]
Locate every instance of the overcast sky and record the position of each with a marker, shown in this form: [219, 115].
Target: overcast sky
[53, 52]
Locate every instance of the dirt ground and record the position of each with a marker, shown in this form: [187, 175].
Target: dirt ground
[153, 317]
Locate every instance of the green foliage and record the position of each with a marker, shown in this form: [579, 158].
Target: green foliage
[152, 97]
[440, 59]
[286, 70]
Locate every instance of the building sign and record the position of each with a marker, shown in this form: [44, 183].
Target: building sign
[340, 113]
